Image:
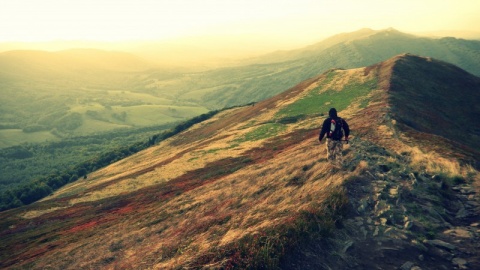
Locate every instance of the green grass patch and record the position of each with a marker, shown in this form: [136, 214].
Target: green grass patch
[262, 132]
[316, 102]
[249, 124]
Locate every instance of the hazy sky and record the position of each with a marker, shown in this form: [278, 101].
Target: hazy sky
[112, 20]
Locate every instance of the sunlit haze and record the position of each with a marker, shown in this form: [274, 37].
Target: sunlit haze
[291, 21]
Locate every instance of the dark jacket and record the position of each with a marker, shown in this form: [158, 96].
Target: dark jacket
[326, 128]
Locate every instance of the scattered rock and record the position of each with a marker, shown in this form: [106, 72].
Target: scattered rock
[359, 221]
[462, 213]
[364, 232]
[456, 188]
[421, 247]
[473, 204]
[467, 190]
[440, 244]
[458, 232]
[383, 221]
[434, 215]
[408, 225]
[348, 245]
[460, 263]
[393, 192]
[363, 206]
[381, 207]
[407, 266]
[393, 215]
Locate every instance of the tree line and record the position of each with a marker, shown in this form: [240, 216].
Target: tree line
[43, 186]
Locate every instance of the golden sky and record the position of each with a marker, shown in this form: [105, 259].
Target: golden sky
[120, 20]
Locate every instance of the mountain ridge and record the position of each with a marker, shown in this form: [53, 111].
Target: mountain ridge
[250, 184]
[172, 90]
[275, 72]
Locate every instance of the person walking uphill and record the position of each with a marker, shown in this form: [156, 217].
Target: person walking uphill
[332, 127]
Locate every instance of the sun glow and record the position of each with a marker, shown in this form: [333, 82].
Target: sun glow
[108, 20]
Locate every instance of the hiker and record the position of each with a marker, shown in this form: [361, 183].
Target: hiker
[332, 126]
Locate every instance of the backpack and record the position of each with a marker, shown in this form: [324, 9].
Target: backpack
[336, 126]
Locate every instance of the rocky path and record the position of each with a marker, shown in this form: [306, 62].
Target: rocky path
[384, 235]
[399, 218]
[402, 219]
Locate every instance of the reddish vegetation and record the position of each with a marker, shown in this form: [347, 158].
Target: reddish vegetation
[124, 210]
[82, 227]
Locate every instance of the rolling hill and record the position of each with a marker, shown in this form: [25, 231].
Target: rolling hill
[251, 188]
[266, 76]
[86, 91]
[50, 95]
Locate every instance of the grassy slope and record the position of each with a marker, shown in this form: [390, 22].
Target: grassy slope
[237, 190]
[430, 110]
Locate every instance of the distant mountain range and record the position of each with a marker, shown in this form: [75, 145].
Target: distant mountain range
[141, 88]
[262, 77]
[271, 74]
[251, 188]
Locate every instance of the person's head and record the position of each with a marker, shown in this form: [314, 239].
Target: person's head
[332, 113]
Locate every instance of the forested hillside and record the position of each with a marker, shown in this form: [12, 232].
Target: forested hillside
[33, 171]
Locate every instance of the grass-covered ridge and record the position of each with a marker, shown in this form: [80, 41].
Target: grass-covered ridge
[339, 89]
[249, 189]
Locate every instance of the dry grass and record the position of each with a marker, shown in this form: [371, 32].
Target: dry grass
[435, 163]
[348, 76]
[178, 205]
[255, 198]
[37, 213]
[212, 218]
[208, 199]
